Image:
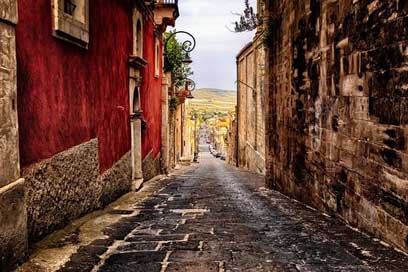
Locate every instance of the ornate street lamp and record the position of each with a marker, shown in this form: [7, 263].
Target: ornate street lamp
[189, 87]
[187, 59]
[187, 46]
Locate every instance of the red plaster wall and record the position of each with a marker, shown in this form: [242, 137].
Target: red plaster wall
[151, 95]
[68, 95]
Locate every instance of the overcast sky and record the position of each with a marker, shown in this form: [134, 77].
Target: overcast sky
[214, 57]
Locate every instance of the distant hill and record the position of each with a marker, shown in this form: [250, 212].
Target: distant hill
[214, 100]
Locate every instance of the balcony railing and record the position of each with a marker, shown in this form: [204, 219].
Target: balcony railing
[166, 12]
[167, 2]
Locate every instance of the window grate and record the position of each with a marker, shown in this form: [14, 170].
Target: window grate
[69, 7]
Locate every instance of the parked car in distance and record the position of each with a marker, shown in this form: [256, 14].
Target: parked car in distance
[223, 157]
[218, 155]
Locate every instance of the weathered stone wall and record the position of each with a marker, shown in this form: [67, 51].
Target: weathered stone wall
[9, 156]
[8, 11]
[165, 130]
[251, 115]
[172, 137]
[338, 110]
[241, 114]
[151, 166]
[178, 115]
[232, 144]
[68, 185]
[13, 217]
[115, 182]
[13, 225]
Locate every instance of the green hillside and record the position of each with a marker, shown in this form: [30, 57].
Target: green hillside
[213, 100]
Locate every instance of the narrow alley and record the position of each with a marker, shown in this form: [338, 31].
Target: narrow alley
[212, 217]
[185, 135]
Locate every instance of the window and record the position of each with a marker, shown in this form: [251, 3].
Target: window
[69, 7]
[138, 34]
[139, 39]
[157, 58]
[71, 22]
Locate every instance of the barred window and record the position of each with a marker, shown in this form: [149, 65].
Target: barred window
[71, 21]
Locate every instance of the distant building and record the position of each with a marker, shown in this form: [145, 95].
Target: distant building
[231, 140]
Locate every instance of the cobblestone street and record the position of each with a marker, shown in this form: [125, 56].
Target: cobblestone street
[214, 217]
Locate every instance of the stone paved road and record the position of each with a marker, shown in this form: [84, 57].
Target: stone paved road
[217, 218]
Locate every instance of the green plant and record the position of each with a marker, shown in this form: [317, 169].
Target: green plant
[173, 60]
[248, 20]
[173, 103]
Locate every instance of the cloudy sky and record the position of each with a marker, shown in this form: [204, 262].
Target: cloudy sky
[214, 57]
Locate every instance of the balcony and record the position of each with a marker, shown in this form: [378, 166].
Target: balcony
[165, 13]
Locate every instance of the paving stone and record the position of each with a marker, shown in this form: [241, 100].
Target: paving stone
[169, 237]
[131, 267]
[119, 230]
[172, 246]
[135, 258]
[245, 228]
[193, 266]
[84, 260]
[143, 246]
[200, 256]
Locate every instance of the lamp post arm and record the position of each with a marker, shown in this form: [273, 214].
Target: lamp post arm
[187, 46]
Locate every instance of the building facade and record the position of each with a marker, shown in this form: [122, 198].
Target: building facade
[13, 214]
[250, 123]
[336, 110]
[83, 124]
[232, 141]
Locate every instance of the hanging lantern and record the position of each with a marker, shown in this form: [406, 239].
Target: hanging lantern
[187, 59]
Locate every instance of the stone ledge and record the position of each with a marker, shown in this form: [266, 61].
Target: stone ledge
[8, 11]
[68, 28]
[9, 157]
[151, 166]
[62, 188]
[117, 181]
[68, 185]
[13, 225]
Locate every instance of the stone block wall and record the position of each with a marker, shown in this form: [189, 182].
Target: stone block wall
[232, 144]
[68, 185]
[13, 226]
[9, 154]
[151, 166]
[251, 115]
[172, 139]
[13, 219]
[338, 110]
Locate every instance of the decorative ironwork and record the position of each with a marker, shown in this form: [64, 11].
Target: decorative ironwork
[189, 86]
[187, 46]
[168, 2]
[187, 59]
[69, 7]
